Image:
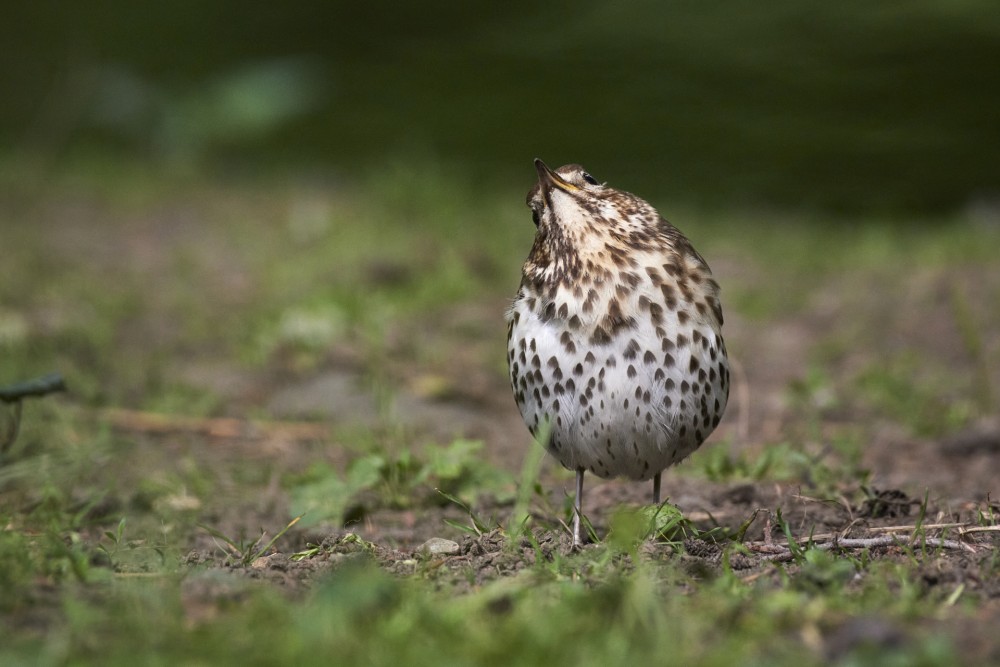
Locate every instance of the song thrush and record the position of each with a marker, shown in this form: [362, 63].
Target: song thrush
[614, 339]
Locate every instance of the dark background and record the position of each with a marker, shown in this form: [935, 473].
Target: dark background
[853, 107]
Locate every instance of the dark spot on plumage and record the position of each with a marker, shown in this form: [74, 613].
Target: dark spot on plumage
[536, 362]
[683, 405]
[600, 337]
[625, 404]
[685, 387]
[574, 322]
[668, 360]
[616, 321]
[668, 402]
[698, 436]
[716, 308]
[515, 318]
[567, 342]
[666, 344]
[559, 389]
[630, 371]
[631, 279]
[555, 405]
[537, 394]
[545, 391]
[654, 275]
[646, 396]
[564, 311]
[644, 302]
[682, 316]
[670, 384]
[589, 358]
[684, 429]
[588, 305]
[702, 374]
[537, 375]
[711, 375]
[578, 370]
[696, 336]
[549, 311]
[673, 269]
[669, 296]
[638, 393]
[557, 374]
[658, 375]
[570, 385]
[656, 313]
[694, 364]
[591, 383]
[611, 362]
[631, 350]
[583, 399]
[682, 341]
[649, 357]
[618, 255]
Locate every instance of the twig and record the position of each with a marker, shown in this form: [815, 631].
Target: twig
[978, 529]
[777, 553]
[213, 427]
[41, 386]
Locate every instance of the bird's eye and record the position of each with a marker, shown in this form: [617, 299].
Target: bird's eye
[590, 179]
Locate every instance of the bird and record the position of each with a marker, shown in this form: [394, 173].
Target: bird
[614, 338]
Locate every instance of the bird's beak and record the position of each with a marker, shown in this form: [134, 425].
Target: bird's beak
[548, 178]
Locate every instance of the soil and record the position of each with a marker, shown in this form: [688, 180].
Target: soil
[912, 479]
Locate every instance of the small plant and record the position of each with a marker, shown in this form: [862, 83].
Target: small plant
[245, 552]
[116, 539]
[374, 480]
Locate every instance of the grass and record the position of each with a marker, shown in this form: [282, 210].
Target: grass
[194, 299]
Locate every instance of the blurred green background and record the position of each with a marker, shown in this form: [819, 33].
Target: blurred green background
[850, 107]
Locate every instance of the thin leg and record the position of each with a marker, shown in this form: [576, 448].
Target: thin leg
[656, 489]
[577, 507]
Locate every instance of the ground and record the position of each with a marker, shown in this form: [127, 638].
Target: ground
[239, 355]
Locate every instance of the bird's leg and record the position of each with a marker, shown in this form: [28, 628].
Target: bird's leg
[577, 507]
[656, 488]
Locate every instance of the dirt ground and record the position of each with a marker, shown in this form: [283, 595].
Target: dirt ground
[956, 474]
[843, 327]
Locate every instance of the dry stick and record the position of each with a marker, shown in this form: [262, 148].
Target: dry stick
[215, 427]
[979, 529]
[779, 554]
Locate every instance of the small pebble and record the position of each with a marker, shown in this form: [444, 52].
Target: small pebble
[437, 546]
